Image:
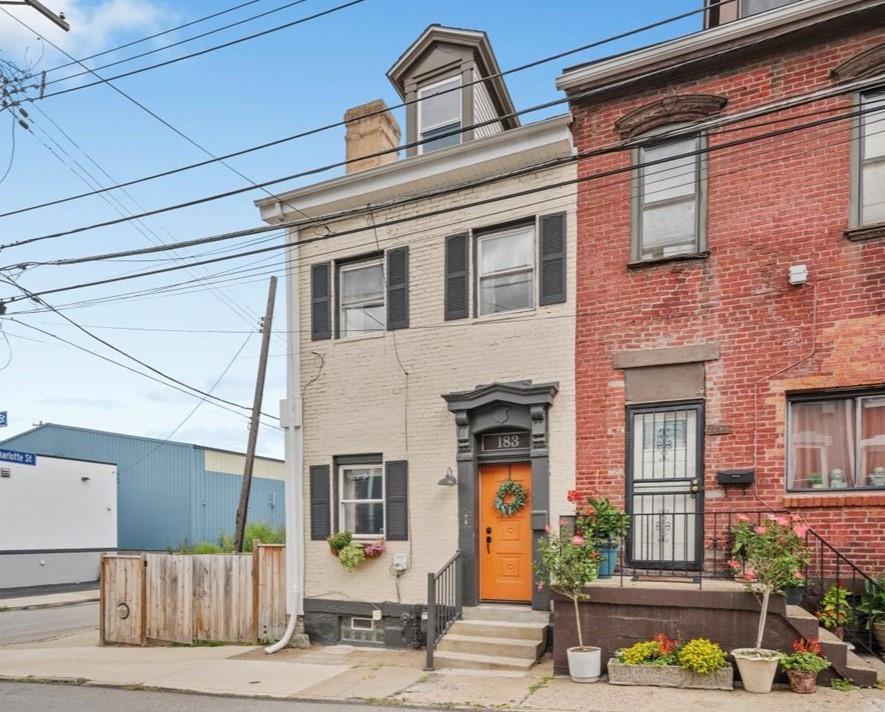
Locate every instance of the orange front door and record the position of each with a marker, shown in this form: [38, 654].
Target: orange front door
[505, 554]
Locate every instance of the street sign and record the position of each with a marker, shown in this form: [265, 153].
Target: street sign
[3, 422]
[19, 458]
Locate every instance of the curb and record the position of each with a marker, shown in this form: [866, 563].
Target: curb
[37, 606]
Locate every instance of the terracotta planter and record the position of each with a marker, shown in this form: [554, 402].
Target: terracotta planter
[668, 676]
[584, 664]
[757, 668]
[801, 681]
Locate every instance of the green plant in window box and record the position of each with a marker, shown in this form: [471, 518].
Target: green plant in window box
[835, 610]
[351, 556]
[338, 541]
[816, 480]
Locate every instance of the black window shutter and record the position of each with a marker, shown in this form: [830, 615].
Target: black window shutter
[552, 239]
[396, 493]
[320, 512]
[398, 288]
[320, 301]
[457, 286]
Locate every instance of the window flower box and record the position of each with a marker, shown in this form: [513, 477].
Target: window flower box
[668, 676]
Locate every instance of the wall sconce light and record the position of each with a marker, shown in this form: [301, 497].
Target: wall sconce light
[448, 479]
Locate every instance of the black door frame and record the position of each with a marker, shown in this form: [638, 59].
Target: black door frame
[638, 409]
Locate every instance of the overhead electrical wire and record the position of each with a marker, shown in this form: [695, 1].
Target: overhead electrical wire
[438, 211]
[345, 122]
[437, 228]
[39, 300]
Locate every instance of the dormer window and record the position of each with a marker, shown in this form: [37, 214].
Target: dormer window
[439, 115]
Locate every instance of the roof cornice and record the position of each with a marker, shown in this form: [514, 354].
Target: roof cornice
[740, 33]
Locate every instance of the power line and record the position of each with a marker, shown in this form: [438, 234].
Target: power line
[124, 366]
[31, 295]
[443, 210]
[149, 37]
[345, 122]
[201, 52]
[214, 31]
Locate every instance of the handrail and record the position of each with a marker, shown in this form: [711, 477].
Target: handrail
[444, 603]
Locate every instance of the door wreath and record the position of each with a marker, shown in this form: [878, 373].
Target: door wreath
[510, 498]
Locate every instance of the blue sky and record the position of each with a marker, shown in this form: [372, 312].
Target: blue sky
[250, 93]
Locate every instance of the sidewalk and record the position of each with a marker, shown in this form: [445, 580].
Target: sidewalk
[344, 673]
[50, 600]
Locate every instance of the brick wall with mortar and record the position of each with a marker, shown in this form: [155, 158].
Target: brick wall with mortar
[772, 203]
[357, 398]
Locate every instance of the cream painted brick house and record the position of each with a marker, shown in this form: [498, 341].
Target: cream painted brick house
[436, 348]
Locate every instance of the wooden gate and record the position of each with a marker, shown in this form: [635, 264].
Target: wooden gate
[122, 610]
[232, 598]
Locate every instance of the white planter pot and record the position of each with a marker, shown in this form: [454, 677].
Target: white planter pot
[584, 664]
[757, 668]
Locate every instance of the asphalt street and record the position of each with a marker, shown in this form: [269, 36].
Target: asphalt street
[28, 626]
[26, 697]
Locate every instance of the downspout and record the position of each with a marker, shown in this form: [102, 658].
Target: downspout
[290, 419]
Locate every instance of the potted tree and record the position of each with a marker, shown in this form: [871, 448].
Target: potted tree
[872, 606]
[604, 525]
[771, 553]
[568, 563]
[803, 665]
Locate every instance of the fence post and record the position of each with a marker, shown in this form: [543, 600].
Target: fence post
[431, 619]
[256, 586]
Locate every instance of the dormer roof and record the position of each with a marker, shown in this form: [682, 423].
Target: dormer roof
[410, 63]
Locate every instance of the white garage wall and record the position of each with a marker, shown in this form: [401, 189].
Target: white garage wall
[51, 507]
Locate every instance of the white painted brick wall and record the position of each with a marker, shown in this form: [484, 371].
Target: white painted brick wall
[358, 400]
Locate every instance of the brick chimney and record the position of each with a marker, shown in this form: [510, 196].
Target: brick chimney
[370, 132]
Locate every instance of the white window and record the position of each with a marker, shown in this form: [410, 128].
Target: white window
[506, 270]
[668, 198]
[361, 500]
[872, 168]
[355, 629]
[439, 112]
[361, 308]
[753, 7]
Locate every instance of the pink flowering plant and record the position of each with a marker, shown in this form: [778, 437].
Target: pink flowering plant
[568, 563]
[770, 554]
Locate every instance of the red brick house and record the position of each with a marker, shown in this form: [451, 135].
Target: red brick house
[730, 342]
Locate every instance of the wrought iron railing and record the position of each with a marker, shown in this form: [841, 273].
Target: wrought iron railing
[444, 603]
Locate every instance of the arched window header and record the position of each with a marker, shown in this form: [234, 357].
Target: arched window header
[669, 110]
[867, 63]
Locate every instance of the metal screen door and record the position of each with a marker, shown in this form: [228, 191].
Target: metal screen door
[665, 486]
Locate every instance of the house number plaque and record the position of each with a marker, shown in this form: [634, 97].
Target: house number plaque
[501, 442]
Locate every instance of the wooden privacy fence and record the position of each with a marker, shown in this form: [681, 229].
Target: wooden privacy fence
[183, 598]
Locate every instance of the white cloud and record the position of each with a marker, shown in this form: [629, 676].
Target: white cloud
[94, 27]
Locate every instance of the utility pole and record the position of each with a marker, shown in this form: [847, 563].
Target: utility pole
[266, 324]
[58, 19]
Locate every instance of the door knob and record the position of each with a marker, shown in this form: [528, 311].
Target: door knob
[488, 530]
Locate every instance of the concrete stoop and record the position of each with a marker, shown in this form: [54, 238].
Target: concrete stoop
[844, 661]
[494, 637]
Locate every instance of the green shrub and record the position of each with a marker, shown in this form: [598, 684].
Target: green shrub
[640, 653]
[701, 656]
[205, 547]
[265, 533]
[351, 556]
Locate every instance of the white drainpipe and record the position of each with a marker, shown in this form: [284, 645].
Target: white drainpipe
[290, 419]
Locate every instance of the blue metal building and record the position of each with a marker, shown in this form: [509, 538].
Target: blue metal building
[168, 493]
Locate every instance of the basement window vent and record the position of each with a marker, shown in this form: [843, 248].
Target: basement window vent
[356, 629]
[5, 472]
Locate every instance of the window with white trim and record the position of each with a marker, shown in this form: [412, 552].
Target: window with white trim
[754, 7]
[871, 191]
[361, 500]
[439, 113]
[668, 199]
[505, 279]
[361, 307]
[836, 442]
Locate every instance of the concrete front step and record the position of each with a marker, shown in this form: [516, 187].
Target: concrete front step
[504, 612]
[499, 629]
[497, 647]
[472, 661]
